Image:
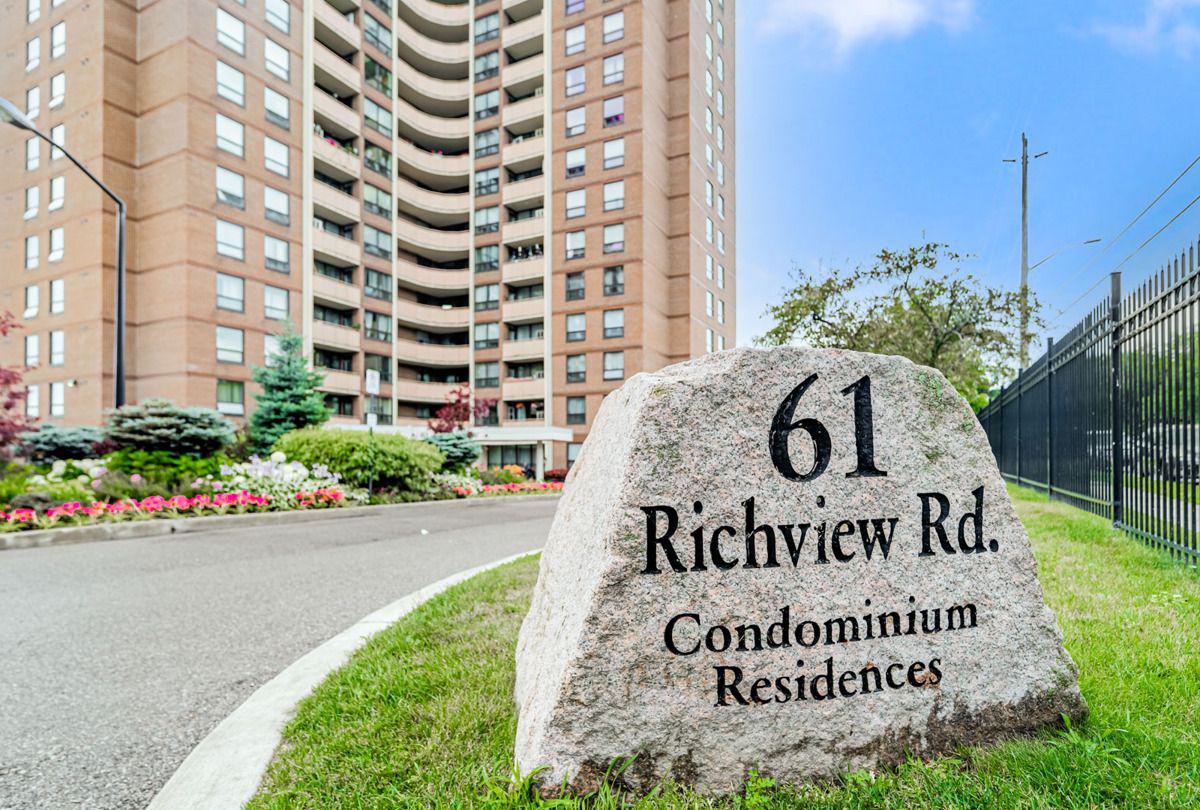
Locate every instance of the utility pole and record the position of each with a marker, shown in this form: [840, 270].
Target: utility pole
[1026, 338]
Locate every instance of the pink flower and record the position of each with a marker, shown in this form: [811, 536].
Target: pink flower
[135, 478]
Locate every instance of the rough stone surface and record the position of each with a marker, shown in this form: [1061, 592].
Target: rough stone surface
[596, 681]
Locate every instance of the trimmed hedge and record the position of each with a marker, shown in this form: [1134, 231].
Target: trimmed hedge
[400, 463]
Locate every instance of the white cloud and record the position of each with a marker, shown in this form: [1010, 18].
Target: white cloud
[1166, 25]
[852, 22]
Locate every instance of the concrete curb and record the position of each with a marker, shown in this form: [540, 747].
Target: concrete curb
[225, 769]
[153, 527]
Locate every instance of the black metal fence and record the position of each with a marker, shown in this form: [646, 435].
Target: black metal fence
[1107, 419]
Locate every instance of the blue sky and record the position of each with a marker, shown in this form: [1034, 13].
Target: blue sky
[872, 123]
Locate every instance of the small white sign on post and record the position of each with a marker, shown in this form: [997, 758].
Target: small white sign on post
[373, 382]
[372, 420]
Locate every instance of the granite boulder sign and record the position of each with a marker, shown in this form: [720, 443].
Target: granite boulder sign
[794, 560]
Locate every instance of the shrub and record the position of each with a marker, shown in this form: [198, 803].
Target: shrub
[508, 474]
[458, 447]
[159, 472]
[557, 474]
[158, 425]
[50, 442]
[288, 484]
[399, 463]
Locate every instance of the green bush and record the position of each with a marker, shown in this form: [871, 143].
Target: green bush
[50, 442]
[14, 480]
[159, 425]
[156, 472]
[458, 447]
[400, 464]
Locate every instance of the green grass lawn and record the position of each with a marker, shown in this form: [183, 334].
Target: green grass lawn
[423, 715]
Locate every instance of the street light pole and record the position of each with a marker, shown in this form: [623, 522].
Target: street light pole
[9, 113]
[1025, 313]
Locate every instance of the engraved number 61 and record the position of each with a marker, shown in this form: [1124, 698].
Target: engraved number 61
[864, 434]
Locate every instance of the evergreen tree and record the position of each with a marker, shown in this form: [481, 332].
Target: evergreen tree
[289, 398]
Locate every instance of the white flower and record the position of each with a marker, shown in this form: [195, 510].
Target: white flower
[278, 457]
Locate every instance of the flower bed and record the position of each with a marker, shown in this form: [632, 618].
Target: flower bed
[521, 488]
[75, 513]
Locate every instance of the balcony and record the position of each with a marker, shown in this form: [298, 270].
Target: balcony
[432, 354]
[335, 117]
[416, 391]
[520, 9]
[432, 206]
[524, 230]
[444, 60]
[524, 75]
[339, 338]
[517, 350]
[448, 97]
[334, 205]
[526, 150]
[331, 291]
[526, 310]
[527, 109]
[523, 270]
[431, 279]
[335, 73]
[523, 389]
[436, 319]
[450, 132]
[340, 382]
[526, 190]
[333, 30]
[335, 249]
[430, 241]
[336, 161]
[523, 39]
[437, 171]
[444, 22]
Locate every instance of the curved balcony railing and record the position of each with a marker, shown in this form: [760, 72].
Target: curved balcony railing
[432, 354]
[417, 391]
[432, 206]
[444, 60]
[431, 279]
[449, 171]
[442, 21]
[423, 316]
[427, 241]
[416, 124]
[448, 97]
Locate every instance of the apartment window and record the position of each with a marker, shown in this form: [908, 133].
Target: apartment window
[230, 345]
[275, 156]
[487, 375]
[614, 195]
[279, 14]
[708, 192]
[721, 137]
[231, 32]
[378, 326]
[576, 121]
[708, 266]
[377, 34]
[275, 303]
[487, 220]
[708, 83]
[58, 137]
[377, 201]
[337, 317]
[33, 102]
[277, 205]
[614, 68]
[576, 327]
[58, 296]
[708, 340]
[614, 237]
[231, 293]
[720, 311]
[487, 27]
[380, 363]
[614, 365]
[487, 104]
[487, 335]
[708, 10]
[720, 68]
[276, 254]
[231, 84]
[721, 276]
[575, 244]
[576, 203]
[721, 102]
[576, 368]
[526, 292]
[231, 240]
[31, 202]
[614, 111]
[614, 323]
[573, 6]
[708, 119]
[32, 405]
[487, 258]
[58, 347]
[573, 449]
[613, 26]
[575, 79]
[58, 193]
[576, 410]
[487, 65]
[57, 243]
[377, 285]
[231, 135]
[33, 252]
[58, 396]
[575, 286]
[377, 117]
[33, 352]
[721, 241]
[33, 54]
[377, 242]
[33, 10]
[721, 205]
[487, 296]
[576, 162]
[574, 37]
[614, 280]
[377, 159]
[487, 181]
[58, 40]
[231, 397]
[33, 153]
[58, 90]
[276, 108]
[278, 59]
[32, 301]
[721, 172]
[487, 142]
[231, 188]
[708, 229]
[708, 303]
[271, 350]
[708, 46]
[720, 31]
